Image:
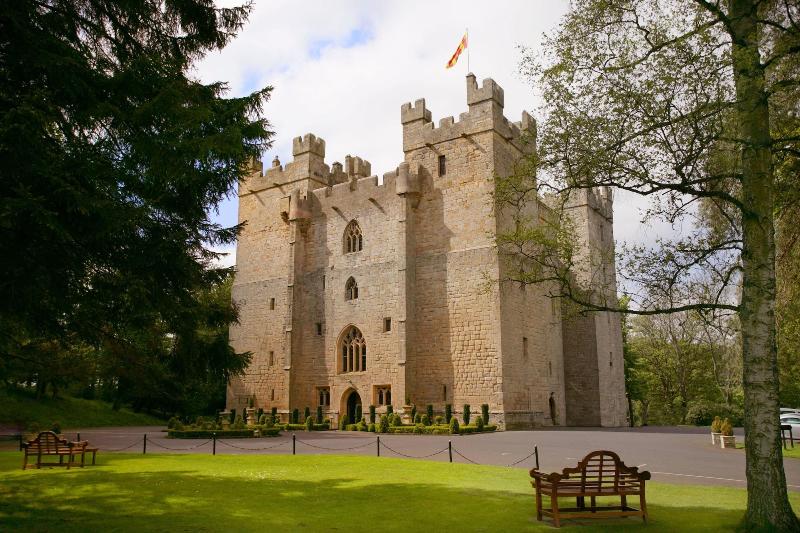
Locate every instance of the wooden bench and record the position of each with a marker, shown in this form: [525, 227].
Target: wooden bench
[601, 473]
[49, 444]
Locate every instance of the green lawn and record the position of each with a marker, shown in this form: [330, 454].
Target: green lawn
[22, 409]
[312, 493]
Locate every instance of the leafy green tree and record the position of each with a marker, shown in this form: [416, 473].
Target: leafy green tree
[672, 101]
[112, 155]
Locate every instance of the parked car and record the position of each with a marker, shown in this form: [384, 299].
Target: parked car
[794, 421]
[789, 411]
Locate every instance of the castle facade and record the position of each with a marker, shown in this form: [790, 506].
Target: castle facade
[356, 291]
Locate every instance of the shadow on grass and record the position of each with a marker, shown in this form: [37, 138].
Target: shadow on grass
[266, 499]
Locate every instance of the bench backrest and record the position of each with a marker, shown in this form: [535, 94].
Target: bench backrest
[47, 441]
[600, 470]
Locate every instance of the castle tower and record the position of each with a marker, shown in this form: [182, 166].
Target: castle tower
[356, 292]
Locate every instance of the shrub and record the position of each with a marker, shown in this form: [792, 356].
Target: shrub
[448, 412]
[419, 429]
[259, 413]
[171, 422]
[204, 434]
[319, 414]
[274, 412]
[295, 416]
[178, 425]
[359, 415]
[233, 415]
[439, 420]
[371, 427]
[362, 426]
[726, 428]
[479, 423]
[343, 421]
[384, 425]
[429, 411]
[413, 412]
[396, 420]
[211, 426]
[306, 413]
[467, 414]
[55, 427]
[454, 429]
[199, 421]
[262, 420]
[485, 413]
[389, 409]
[371, 414]
[268, 421]
[702, 413]
[309, 423]
[716, 425]
[417, 418]
[238, 423]
[425, 420]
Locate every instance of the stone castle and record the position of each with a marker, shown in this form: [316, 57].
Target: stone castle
[356, 291]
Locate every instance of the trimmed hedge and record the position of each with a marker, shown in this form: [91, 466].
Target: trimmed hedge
[301, 427]
[464, 430]
[206, 434]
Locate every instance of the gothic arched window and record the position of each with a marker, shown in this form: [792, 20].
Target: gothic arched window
[351, 289]
[353, 350]
[353, 240]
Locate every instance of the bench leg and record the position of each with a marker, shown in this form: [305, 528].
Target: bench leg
[594, 504]
[580, 502]
[643, 504]
[538, 502]
[94, 456]
[623, 501]
[25, 460]
[554, 508]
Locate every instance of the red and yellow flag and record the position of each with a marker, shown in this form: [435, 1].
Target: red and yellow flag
[461, 46]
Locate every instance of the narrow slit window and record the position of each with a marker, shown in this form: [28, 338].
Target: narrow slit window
[319, 328]
[442, 165]
[524, 347]
[271, 358]
[444, 392]
[273, 394]
[272, 304]
[387, 324]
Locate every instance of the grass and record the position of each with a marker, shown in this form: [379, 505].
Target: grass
[313, 493]
[790, 452]
[21, 409]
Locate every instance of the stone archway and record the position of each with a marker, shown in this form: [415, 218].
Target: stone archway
[350, 400]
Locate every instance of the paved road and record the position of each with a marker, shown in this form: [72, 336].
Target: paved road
[673, 455]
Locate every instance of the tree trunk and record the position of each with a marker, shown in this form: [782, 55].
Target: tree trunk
[767, 500]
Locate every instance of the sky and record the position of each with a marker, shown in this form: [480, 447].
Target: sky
[341, 69]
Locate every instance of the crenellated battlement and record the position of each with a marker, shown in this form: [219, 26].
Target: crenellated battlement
[308, 143]
[489, 91]
[485, 113]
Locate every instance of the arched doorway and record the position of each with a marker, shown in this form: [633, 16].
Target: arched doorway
[353, 400]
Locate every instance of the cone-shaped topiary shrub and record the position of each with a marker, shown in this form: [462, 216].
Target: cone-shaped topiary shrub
[479, 423]
[319, 414]
[309, 423]
[454, 427]
[371, 414]
[448, 412]
[429, 411]
[485, 414]
[467, 414]
[384, 425]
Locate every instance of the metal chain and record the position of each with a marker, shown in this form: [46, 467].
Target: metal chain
[251, 449]
[337, 449]
[523, 459]
[383, 445]
[464, 457]
[121, 449]
[178, 449]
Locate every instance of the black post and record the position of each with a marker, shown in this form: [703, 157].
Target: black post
[214, 443]
[294, 444]
[144, 444]
[450, 449]
[79, 437]
[20, 441]
[379, 445]
[536, 453]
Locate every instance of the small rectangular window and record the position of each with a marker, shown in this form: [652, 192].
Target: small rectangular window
[273, 394]
[442, 165]
[610, 358]
[271, 358]
[444, 392]
[324, 395]
[524, 347]
[272, 304]
[550, 367]
[323, 282]
[319, 328]
[387, 324]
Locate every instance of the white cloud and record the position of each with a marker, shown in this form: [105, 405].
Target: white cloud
[342, 69]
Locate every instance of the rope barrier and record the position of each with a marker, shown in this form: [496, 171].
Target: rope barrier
[219, 441]
[178, 449]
